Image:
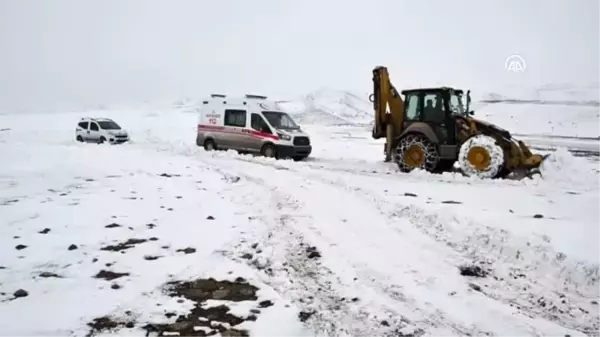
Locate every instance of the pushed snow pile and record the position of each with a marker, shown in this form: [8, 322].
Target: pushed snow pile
[563, 167]
[330, 107]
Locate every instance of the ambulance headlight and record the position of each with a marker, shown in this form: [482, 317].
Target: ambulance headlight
[283, 136]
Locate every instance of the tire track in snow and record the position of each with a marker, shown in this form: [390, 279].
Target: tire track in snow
[508, 288]
[409, 314]
[536, 296]
[384, 295]
[309, 283]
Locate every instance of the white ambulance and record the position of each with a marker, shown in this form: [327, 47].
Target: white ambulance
[250, 124]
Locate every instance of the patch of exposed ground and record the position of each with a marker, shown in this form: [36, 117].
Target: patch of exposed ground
[201, 320]
[123, 245]
[106, 324]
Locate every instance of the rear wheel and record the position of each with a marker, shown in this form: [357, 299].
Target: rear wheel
[209, 145]
[481, 157]
[416, 151]
[79, 139]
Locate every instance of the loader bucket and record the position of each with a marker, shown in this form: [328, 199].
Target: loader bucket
[525, 163]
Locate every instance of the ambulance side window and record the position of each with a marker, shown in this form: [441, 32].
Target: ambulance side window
[259, 124]
[235, 118]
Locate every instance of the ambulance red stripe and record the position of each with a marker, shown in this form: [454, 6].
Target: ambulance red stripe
[237, 131]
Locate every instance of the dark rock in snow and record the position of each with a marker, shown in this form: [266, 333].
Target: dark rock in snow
[20, 247]
[313, 253]
[210, 217]
[72, 247]
[20, 293]
[475, 271]
[44, 231]
[538, 216]
[188, 250]
[407, 194]
[305, 315]
[451, 202]
[265, 304]
[109, 275]
[112, 225]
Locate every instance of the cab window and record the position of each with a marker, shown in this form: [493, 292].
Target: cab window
[413, 110]
[94, 127]
[259, 124]
[83, 125]
[235, 118]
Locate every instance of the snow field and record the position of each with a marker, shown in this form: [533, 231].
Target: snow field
[343, 240]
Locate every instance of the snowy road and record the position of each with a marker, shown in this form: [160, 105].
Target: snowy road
[342, 244]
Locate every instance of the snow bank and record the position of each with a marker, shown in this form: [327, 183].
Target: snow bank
[562, 167]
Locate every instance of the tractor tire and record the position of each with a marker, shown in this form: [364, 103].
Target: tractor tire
[416, 151]
[481, 157]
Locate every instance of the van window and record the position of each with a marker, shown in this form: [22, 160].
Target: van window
[83, 125]
[259, 124]
[280, 120]
[109, 125]
[235, 118]
[93, 126]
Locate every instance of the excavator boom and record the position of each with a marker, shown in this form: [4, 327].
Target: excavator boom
[389, 109]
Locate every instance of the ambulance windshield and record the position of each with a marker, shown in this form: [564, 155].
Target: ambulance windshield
[280, 120]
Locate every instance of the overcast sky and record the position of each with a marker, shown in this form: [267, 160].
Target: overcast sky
[63, 53]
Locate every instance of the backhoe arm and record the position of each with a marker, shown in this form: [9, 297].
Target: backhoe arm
[388, 122]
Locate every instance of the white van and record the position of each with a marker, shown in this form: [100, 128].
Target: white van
[100, 130]
[250, 124]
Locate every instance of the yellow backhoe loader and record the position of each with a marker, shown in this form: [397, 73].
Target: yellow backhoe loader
[432, 129]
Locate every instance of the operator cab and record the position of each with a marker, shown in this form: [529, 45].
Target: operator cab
[437, 107]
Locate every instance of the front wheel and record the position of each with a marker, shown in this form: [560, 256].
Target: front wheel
[481, 157]
[268, 151]
[416, 151]
[101, 140]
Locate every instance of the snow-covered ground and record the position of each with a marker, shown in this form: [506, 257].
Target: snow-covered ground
[341, 244]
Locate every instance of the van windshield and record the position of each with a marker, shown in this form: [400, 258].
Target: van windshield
[109, 125]
[280, 120]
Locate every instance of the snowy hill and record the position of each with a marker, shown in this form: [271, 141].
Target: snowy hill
[330, 107]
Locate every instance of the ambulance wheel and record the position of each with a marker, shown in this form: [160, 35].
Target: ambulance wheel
[268, 151]
[209, 145]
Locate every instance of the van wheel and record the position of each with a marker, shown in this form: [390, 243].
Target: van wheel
[209, 145]
[101, 140]
[79, 139]
[268, 151]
